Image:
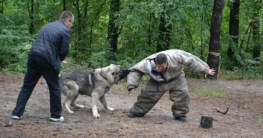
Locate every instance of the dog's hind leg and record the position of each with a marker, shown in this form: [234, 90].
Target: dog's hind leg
[72, 93]
[75, 104]
[104, 103]
[68, 102]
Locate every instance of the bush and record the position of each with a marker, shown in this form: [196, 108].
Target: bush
[15, 44]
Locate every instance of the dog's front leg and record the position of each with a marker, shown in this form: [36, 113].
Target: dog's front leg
[95, 99]
[104, 103]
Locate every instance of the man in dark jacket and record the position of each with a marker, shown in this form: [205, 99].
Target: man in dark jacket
[50, 48]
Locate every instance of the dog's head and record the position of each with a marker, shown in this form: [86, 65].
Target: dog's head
[114, 73]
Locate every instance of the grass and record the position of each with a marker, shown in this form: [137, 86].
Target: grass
[120, 87]
[253, 73]
[115, 123]
[260, 118]
[210, 92]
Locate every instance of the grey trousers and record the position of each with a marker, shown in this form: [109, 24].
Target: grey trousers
[153, 92]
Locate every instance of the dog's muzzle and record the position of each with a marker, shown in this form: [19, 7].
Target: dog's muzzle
[121, 75]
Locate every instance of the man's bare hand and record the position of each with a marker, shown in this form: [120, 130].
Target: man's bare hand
[64, 62]
[210, 72]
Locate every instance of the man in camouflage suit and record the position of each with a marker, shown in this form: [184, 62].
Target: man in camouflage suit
[166, 71]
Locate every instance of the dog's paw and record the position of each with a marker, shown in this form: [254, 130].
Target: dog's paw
[96, 115]
[67, 108]
[79, 106]
[110, 109]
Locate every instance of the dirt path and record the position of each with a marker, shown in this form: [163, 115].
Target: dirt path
[244, 118]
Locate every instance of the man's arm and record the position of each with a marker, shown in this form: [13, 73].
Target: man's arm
[133, 79]
[63, 52]
[194, 63]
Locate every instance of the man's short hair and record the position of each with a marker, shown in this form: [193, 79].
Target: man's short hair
[160, 59]
[66, 15]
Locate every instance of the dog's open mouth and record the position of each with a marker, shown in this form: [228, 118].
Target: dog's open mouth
[121, 75]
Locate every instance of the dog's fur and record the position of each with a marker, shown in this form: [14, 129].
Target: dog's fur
[95, 84]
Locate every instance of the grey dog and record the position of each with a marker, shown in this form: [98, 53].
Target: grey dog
[94, 83]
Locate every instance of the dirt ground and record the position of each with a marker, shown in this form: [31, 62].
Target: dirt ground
[244, 118]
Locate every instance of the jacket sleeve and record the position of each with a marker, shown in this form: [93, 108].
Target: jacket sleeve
[64, 45]
[191, 61]
[133, 79]
[136, 73]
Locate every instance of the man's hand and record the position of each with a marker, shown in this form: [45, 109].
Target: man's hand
[64, 62]
[130, 88]
[210, 72]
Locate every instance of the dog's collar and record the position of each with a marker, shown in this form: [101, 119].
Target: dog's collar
[103, 75]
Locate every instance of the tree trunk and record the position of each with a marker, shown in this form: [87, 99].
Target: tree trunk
[64, 5]
[94, 21]
[81, 42]
[113, 29]
[165, 30]
[233, 31]
[79, 19]
[202, 31]
[150, 30]
[2, 7]
[214, 44]
[31, 17]
[255, 30]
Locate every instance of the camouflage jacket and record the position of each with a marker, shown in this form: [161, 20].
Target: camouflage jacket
[177, 60]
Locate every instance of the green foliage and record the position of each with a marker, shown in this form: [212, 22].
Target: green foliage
[120, 87]
[15, 46]
[138, 36]
[210, 92]
[260, 119]
[17, 58]
[249, 72]
[72, 65]
[98, 60]
[248, 68]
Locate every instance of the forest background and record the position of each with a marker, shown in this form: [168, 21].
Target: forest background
[227, 34]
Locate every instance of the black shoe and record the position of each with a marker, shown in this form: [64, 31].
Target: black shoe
[133, 115]
[181, 118]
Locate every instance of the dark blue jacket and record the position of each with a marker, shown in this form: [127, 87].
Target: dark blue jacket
[52, 43]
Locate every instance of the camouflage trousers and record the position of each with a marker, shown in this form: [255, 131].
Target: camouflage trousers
[153, 92]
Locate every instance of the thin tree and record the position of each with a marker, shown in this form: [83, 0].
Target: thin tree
[150, 30]
[64, 5]
[80, 7]
[113, 29]
[77, 5]
[214, 44]
[255, 29]
[165, 29]
[202, 30]
[31, 13]
[2, 6]
[95, 21]
[233, 31]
